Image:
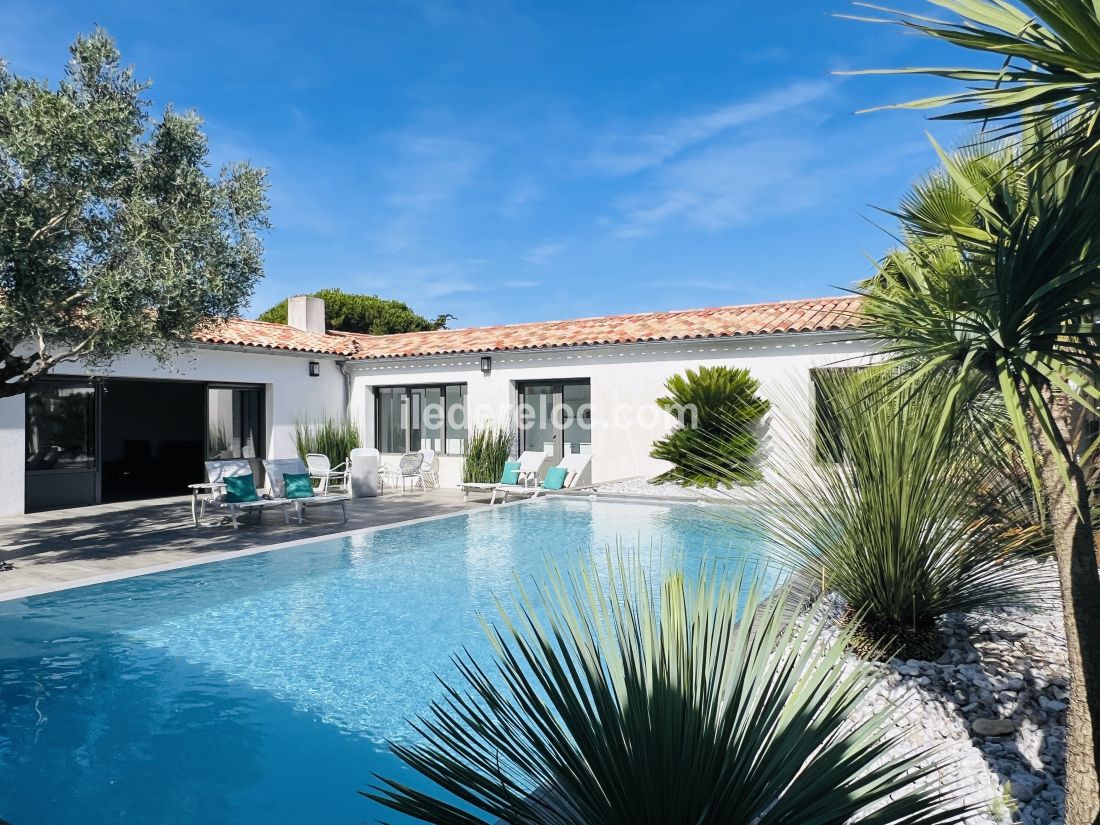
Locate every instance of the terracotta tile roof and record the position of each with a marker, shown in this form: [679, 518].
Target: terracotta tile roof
[242, 333]
[813, 315]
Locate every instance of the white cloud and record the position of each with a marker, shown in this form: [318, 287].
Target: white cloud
[724, 186]
[635, 151]
[543, 252]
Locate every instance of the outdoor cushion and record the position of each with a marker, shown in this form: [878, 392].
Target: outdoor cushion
[555, 478]
[298, 485]
[239, 489]
[511, 473]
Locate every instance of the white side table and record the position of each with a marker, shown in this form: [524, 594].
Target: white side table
[200, 494]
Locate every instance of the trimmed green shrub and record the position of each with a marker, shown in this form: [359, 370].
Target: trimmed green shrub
[488, 448]
[334, 437]
[718, 437]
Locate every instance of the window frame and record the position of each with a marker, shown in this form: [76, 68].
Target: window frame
[407, 392]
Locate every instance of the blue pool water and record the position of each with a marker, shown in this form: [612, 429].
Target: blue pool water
[263, 689]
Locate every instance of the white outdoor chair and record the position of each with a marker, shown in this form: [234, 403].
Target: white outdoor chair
[276, 468]
[216, 473]
[531, 463]
[429, 469]
[321, 469]
[408, 469]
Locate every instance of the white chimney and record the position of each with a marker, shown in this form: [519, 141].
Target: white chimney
[306, 313]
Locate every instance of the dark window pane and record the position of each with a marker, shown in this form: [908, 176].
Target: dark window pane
[577, 418]
[456, 419]
[60, 426]
[391, 430]
[233, 423]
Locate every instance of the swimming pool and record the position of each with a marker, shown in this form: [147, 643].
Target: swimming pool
[262, 689]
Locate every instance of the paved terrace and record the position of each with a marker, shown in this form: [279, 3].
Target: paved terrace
[51, 549]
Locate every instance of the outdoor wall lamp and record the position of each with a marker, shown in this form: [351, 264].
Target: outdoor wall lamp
[486, 364]
[314, 368]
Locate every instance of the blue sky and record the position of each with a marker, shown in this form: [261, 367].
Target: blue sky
[510, 162]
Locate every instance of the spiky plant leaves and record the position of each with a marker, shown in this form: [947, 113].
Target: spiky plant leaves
[334, 437]
[908, 521]
[609, 703]
[1042, 70]
[487, 451]
[704, 402]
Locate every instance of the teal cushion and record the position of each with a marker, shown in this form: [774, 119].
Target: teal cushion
[555, 478]
[239, 489]
[511, 473]
[298, 485]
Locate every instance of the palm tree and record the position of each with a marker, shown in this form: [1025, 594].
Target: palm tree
[613, 702]
[1048, 64]
[1000, 279]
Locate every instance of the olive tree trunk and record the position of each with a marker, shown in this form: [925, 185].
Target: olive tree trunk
[1067, 509]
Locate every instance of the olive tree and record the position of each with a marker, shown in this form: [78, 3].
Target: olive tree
[114, 236]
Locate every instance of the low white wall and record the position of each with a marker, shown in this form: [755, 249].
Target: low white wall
[12, 454]
[625, 383]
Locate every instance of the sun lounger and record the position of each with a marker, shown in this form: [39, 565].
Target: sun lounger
[569, 472]
[216, 474]
[276, 470]
[528, 476]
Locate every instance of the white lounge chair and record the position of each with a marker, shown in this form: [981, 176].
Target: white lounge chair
[217, 472]
[276, 468]
[321, 469]
[531, 463]
[575, 466]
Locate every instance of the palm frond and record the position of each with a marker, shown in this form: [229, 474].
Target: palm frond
[1044, 64]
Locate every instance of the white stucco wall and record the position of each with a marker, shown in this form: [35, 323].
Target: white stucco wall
[625, 383]
[290, 393]
[12, 446]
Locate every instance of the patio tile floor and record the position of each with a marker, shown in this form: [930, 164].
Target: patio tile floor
[53, 548]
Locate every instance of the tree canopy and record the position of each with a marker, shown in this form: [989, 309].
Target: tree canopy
[113, 236]
[368, 314]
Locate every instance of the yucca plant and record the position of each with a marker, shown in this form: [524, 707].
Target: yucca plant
[718, 407]
[908, 523]
[1042, 68]
[609, 703]
[487, 450]
[334, 437]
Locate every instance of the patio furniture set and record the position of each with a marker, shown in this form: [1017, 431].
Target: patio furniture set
[299, 485]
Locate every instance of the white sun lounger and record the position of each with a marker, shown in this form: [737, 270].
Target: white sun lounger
[575, 466]
[531, 463]
[218, 471]
[276, 467]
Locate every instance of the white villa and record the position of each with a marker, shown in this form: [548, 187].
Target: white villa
[142, 430]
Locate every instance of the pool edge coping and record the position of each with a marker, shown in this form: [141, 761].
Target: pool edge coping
[228, 555]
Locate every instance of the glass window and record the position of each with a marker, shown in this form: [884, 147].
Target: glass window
[421, 418]
[234, 423]
[60, 430]
[455, 419]
[827, 437]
